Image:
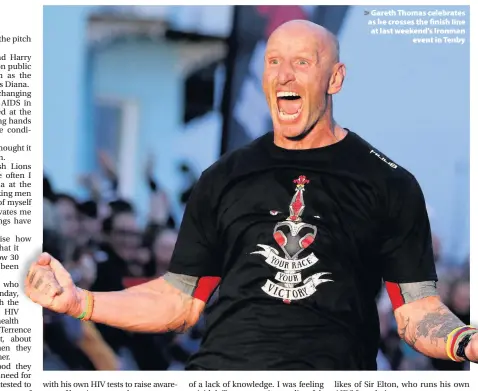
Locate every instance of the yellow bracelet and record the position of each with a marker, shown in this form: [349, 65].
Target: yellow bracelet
[83, 314]
[88, 312]
[450, 340]
[89, 306]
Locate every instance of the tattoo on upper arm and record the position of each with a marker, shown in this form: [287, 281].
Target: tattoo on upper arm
[435, 326]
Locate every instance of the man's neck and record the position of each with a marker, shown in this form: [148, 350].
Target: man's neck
[325, 132]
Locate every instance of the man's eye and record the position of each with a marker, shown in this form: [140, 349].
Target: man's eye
[274, 62]
[303, 62]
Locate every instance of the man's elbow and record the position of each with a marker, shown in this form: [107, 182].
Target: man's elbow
[167, 308]
[191, 303]
[187, 317]
[410, 315]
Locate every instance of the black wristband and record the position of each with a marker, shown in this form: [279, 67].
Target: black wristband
[460, 352]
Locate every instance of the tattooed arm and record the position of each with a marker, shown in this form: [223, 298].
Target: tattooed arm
[424, 324]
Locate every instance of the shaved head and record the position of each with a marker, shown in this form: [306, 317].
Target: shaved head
[310, 30]
[302, 70]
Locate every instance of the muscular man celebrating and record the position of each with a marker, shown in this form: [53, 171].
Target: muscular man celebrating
[300, 228]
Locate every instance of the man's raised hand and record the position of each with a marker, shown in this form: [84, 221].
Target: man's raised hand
[50, 285]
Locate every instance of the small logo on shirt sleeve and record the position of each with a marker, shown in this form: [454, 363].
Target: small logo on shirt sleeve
[384, 159]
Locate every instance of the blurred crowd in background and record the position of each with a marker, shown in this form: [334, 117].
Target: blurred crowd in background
[101, 244]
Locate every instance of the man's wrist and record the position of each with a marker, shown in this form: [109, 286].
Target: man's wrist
[457, 343]
[80, 305]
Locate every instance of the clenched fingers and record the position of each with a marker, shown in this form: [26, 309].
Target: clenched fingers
[41, 284]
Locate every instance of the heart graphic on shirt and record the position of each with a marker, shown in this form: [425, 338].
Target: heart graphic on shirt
[293, 238]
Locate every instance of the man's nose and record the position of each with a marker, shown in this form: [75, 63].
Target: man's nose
[286, 73]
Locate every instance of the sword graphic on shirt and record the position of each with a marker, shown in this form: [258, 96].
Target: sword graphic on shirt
[293, 236]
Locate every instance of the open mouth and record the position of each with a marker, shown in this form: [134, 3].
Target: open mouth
[289, 105]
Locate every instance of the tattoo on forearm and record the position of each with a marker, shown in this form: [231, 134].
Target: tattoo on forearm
[435, 326]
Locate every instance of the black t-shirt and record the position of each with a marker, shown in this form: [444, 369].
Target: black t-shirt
[302, 241]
